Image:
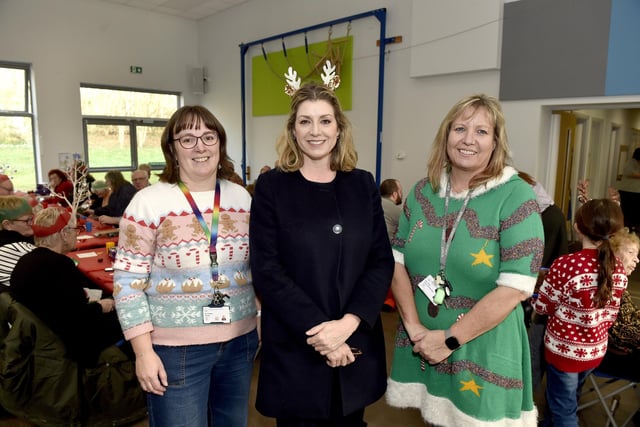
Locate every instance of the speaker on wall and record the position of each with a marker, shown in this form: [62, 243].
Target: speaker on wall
[198, 81]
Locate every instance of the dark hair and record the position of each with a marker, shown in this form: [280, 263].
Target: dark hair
[343, 157]
[192, 117]
[116, 180]
[636, 154]
[599, 220]
[388, 186]
[60, 174]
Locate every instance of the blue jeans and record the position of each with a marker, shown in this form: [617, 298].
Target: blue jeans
[208, 384]
[563, 393]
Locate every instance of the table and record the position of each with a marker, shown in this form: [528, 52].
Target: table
[99, 235]
[92, 263]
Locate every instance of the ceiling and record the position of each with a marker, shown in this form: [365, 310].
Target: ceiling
[190, 9]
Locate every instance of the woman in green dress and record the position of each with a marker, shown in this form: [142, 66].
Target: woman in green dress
[467, 252]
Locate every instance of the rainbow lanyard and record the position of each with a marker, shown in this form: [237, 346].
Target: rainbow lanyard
[211, 234]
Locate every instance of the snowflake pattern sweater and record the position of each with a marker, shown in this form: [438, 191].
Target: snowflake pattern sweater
[577, 331]
[162, 276]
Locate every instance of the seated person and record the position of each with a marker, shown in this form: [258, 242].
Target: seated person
[61, 185]
[48, 283]
[6, 186]
[140, 178]
[122, 191]
[623, 352]
[16, 235]
[100, 194]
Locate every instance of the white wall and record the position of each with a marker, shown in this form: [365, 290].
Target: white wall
[69, 42]
[74, 41]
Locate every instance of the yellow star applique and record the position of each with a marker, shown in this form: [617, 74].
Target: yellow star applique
[471, 385]
[482, 258]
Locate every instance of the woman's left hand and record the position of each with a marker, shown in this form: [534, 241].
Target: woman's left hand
[431, 347]
[328, 336]
[342, 356]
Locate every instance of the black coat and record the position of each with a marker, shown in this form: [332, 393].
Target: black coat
[307, 271]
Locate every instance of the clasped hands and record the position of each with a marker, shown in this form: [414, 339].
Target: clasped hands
[429, 344]
[329, 339]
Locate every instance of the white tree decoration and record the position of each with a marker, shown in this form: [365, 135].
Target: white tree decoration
[77, 174]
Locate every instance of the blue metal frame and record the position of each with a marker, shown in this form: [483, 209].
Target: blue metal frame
[381, 15]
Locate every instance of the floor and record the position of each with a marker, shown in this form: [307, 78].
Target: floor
[381, 415]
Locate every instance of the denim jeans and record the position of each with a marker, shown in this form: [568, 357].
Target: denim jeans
[208, 384]
[563, 393]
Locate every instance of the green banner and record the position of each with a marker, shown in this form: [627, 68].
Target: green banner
[268, 80]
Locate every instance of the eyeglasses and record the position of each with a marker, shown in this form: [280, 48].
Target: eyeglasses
[28, 221]
[190, 141]
[78, 229]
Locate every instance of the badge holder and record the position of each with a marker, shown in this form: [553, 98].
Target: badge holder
[216, 311]
[436, 290]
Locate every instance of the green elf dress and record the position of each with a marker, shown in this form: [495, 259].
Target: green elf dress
[498, 242]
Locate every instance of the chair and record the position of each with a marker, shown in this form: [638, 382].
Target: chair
[40, 383]
[604, 388]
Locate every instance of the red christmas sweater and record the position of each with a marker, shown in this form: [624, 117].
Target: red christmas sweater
[577, 331]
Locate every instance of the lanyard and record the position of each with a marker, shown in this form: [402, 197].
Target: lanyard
[444, 242]
[210, 233]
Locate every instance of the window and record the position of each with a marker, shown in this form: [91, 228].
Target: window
[122, 127]
[17, 129]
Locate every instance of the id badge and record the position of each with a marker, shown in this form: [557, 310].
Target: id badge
[429, 287]
[216, 314]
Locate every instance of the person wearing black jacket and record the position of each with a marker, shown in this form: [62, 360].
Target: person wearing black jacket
[16, 235]
[48, 283]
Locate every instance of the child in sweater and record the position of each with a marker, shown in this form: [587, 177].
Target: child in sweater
[581, 295]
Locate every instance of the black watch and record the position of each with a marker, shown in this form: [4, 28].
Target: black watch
[451, 341]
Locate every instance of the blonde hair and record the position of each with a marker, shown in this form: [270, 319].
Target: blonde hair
[439, 160]
[343, 157]
[622, 238]
[47, 218]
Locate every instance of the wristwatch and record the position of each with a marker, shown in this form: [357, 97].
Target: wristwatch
[451, 341]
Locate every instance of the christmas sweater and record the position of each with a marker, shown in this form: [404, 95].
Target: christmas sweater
[163, 276]
[577, 331]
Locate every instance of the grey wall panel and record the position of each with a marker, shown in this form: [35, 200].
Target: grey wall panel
[554, 48]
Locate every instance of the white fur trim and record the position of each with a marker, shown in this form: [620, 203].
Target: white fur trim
[505, 176]
[398, 256]
[526, 284]
[432, 408]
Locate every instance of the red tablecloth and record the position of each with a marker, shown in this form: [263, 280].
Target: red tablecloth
[99, 235]
[92, 263]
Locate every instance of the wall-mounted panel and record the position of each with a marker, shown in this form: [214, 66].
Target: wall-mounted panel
[467, 40]
[554, 48]
[623, 66]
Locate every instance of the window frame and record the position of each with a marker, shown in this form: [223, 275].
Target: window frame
[131, 122]
[28, 112]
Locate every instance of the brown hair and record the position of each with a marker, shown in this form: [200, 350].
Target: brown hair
[116, 180]
[60, 174]
[500, 158]
[192, 117]
[388, 186]
[599, 220]
[343, 157]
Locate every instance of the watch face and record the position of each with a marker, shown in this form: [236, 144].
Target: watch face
[452, 343]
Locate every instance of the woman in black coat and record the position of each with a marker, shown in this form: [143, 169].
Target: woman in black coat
[321, 264]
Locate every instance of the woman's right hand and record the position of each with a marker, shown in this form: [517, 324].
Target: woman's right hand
[151, 374]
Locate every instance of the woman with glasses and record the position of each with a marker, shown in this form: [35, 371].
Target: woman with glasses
[183, 286]
[16, 235]
[48, 283]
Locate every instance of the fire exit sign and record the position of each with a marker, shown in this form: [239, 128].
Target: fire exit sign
[135, 69]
